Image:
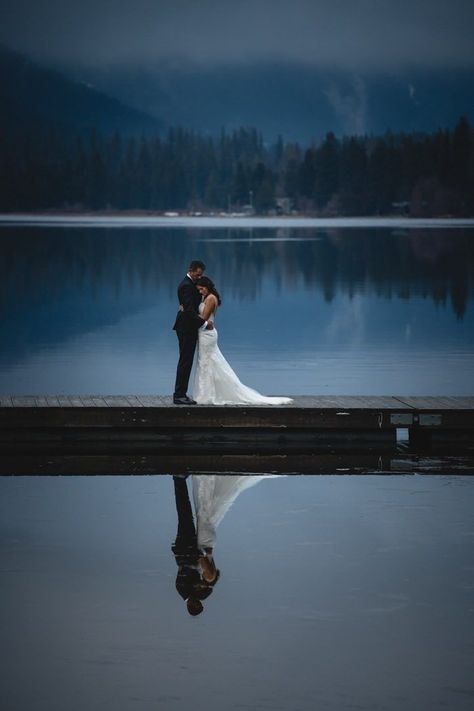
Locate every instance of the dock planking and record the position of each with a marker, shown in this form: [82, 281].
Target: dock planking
[309, 405]
[152, 423]
[395, 402]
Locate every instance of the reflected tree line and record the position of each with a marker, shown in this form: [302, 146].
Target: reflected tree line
[416, 174]
[39, 266]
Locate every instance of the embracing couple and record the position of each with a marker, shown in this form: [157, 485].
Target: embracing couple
[215, 383]
[213, 495]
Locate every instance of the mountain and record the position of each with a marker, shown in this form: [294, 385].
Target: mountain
[32, 96]
[298, 101]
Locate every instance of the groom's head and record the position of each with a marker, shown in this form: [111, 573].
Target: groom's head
[195, 606]
[196, 269]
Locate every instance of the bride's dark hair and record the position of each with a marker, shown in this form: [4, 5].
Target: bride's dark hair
[209, 284]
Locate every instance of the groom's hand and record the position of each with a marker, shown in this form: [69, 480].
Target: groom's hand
[209, 326]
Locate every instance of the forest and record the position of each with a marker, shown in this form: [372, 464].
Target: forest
[420, 175]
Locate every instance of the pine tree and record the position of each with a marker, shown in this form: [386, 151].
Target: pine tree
[327, 170]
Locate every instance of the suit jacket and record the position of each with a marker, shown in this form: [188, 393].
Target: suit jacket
[189, 319]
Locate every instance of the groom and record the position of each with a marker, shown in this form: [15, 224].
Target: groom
[187, 324]
[189, 584]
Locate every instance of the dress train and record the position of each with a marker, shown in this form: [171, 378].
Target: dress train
[215, 383]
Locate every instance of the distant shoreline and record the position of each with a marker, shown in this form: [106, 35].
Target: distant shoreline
[221, 220]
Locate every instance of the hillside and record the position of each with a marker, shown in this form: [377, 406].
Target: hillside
[33, 96]
[300, 102]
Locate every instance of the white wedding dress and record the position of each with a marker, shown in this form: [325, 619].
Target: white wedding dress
[213, 496]
[215, 383]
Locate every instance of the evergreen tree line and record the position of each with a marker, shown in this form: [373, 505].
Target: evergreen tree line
[417, 174]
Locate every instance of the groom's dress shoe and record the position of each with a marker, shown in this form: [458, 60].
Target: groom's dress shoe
[183, 401]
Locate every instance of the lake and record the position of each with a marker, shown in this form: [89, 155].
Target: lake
[349, 307]
[334, 593]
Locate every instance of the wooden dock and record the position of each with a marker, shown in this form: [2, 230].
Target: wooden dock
[311, 433]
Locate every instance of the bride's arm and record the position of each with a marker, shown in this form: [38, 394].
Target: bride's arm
[209, 306]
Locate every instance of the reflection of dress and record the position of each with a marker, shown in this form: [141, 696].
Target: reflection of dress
[215, 383]
[213, 495]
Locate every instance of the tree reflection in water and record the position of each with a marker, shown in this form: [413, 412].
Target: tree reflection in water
[337, 301]
[38, 264]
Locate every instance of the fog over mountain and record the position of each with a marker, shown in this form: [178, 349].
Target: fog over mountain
[298, 101]
[298, 68]
[339, 34]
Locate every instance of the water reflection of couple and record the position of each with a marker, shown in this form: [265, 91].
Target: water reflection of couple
[194, 545]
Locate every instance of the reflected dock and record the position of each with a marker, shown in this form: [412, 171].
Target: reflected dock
[148, 434]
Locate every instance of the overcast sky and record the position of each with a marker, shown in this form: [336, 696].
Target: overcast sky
[356, 34]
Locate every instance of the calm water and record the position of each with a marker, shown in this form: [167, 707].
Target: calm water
[335, 593]
[314, 311]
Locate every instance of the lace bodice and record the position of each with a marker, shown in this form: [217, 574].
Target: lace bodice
[201, 309]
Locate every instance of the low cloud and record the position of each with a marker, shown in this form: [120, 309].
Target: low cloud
[350, 106]
[348, 34]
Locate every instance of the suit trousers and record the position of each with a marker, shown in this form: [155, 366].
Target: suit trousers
[187, 345]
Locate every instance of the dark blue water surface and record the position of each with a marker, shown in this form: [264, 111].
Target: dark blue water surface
[335, 593]
[315, 311]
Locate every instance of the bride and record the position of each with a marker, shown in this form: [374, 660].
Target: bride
[215, 383]
[213, 496]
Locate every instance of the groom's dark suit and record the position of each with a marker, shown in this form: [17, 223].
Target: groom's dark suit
[186, 326]
[185, 548]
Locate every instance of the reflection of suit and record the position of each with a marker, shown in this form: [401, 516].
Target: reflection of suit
[186, 326]
[185, 548]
